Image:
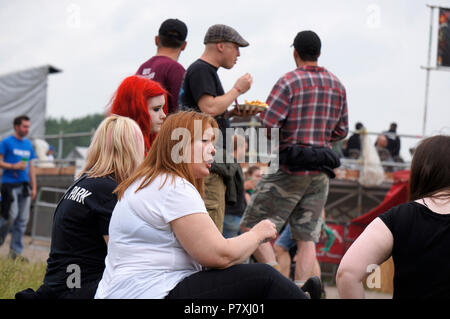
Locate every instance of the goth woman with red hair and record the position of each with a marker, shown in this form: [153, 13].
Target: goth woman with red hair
[144, 101]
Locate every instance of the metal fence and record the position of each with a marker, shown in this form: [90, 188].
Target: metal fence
[61, 137]
[44, 208]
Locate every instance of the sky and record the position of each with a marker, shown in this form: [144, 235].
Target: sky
[376, 48]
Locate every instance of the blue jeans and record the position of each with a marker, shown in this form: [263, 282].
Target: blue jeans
[18, 220]
[231, 226]
[285, 239]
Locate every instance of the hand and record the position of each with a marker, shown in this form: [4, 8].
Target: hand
[249, 184]
[243, 83]
[266, 230]
[33, 193]
[22, 165]
[251, 111]
[244, 113]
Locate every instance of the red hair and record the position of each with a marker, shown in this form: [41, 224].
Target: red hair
[131, 100]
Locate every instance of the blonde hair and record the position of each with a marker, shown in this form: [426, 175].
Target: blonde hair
[159, 160]
[117, 148]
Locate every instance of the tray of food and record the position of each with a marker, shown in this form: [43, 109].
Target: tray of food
[253, 107]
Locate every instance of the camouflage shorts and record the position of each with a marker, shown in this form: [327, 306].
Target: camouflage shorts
[215, 199]
[296, 199]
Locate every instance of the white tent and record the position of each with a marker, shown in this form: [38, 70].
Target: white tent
[24, 93]
[78, 154]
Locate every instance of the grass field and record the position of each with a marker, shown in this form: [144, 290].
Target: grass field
[16, 276]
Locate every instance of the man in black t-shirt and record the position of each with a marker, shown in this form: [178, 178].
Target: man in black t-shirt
[202, 91]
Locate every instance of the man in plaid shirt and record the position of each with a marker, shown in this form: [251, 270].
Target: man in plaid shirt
[309, 107]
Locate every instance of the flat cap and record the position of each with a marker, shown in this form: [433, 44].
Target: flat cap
[223, 33]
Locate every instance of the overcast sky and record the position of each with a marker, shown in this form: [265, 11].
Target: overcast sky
[375, 47]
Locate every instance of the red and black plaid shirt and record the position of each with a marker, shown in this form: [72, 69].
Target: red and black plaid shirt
[309, 106]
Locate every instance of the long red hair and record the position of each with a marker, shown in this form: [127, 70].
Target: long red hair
[131, 100]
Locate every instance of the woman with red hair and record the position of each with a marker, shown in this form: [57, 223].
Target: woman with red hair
[144, 101]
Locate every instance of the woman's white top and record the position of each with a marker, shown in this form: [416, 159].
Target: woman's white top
[145, 259]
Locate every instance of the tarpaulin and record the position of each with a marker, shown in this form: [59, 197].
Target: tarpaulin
[24, 93]
[339, 237]
[398, 194]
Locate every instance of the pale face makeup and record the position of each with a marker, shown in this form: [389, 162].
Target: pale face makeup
[155, 109]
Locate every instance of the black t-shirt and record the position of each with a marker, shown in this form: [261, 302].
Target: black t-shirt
[421, 251]
[239, 207]
[393, 143]
[354, 142]
[79, 224]
[201, 78]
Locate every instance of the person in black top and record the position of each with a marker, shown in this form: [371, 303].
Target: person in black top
[415, 234]
[233, 212]
[393, 142]
[81, 220]
[353, 148]
[202, 91]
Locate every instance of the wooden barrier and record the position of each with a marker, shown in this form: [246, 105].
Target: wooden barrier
[69, 170]
[386, 278]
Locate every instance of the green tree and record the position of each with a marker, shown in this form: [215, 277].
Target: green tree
[84, 124]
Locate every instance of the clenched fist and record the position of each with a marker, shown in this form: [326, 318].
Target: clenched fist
[244, 83]
[266, 230]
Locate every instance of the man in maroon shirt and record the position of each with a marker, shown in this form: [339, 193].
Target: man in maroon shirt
[164, 67]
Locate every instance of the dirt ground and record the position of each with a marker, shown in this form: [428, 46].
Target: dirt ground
[37, 251]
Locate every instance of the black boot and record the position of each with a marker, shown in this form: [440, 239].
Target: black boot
[313, 287]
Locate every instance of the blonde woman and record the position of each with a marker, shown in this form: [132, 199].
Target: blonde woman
[162, 238]
[81, 220]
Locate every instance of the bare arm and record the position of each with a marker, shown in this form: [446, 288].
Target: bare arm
[21, 165]
[200, 237]
[373, 246]
[217, 105]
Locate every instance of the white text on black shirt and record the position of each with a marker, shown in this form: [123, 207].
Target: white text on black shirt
[78, 194]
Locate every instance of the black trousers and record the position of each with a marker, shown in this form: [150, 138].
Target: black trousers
[245, 281]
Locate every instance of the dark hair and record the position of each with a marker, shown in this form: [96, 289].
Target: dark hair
[307, 44]
[170, 42]
[359, 125]
[393, 127]
[18, 120]
[172, 33]
[252, 169]
[430, 168]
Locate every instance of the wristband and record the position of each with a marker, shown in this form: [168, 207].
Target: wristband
[237, 89]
